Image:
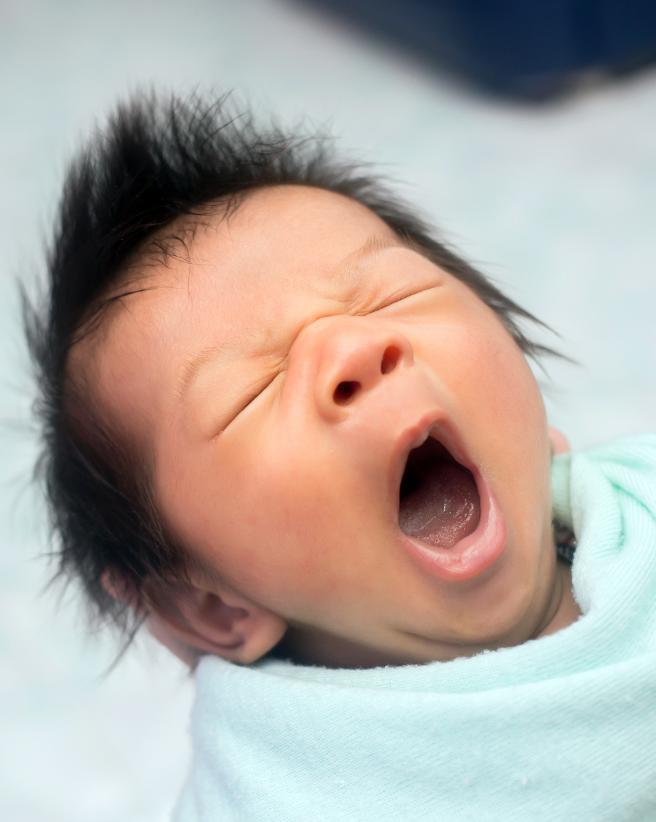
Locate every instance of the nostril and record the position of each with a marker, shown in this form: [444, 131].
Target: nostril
[391, 357]
[345, 392]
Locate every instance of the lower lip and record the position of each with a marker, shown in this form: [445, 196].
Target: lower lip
[472, 556]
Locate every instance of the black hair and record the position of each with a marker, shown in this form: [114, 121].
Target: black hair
[158, 159]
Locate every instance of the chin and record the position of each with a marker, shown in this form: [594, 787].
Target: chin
[506, 614]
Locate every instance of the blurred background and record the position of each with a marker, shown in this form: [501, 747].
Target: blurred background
[527, 136]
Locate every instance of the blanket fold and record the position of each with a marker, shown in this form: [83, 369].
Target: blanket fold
[559, 728]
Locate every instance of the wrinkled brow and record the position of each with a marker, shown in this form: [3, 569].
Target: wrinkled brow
[344, 274]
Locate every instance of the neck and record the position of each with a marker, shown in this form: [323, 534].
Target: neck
[563, 609]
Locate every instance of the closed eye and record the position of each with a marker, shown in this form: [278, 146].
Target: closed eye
[396, 299]
[249, 400]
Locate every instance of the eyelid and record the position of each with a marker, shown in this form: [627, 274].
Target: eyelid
[396, 300]
[251, 400]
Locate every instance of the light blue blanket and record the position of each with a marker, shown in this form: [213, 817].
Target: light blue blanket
[560, 728]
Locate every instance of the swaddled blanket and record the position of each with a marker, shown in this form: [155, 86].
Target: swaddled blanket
[559, 728]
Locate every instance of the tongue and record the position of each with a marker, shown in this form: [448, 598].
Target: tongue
[444, 509]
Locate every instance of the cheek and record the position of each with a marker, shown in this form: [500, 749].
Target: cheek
[472, 357]
[302, 524]
[494, 372]
[507, 389]
[258, 516]
[496, 395]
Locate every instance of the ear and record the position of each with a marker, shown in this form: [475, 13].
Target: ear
[559, 442]
[191, 620]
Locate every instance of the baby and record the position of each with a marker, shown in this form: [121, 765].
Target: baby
[291, 430]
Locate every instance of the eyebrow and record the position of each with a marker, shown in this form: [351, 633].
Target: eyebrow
[345, 268]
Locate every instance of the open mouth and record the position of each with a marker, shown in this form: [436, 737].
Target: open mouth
[439, 501]
[449, 520]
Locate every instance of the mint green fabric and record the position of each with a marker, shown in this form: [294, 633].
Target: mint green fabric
[559, 728]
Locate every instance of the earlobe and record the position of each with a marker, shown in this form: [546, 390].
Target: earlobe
[221, 623]
[191, 620]
[559, 442]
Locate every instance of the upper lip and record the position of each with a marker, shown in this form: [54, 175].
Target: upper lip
[433, 424]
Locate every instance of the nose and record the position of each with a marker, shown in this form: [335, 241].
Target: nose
[348, 357]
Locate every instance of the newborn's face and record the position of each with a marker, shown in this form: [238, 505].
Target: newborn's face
[282, 378]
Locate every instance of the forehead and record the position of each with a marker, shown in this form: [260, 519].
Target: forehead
[281, 240]
[286, 236]
[254, 269]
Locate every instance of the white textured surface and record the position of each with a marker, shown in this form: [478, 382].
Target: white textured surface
[557, 204]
